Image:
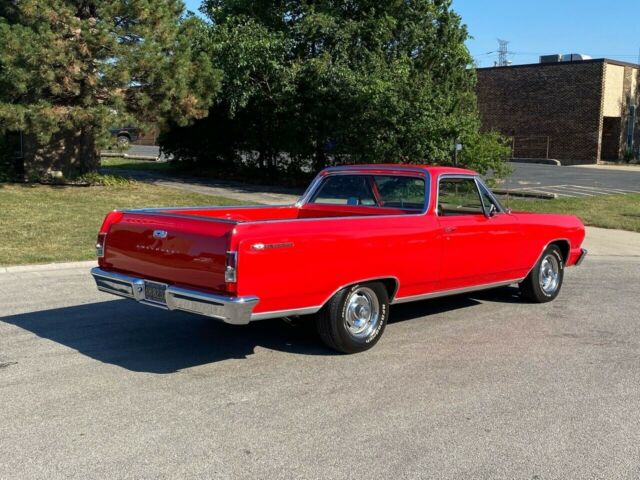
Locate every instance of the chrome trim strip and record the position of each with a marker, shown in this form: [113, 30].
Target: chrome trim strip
[583, 254]
[480, 182]
[234, 310]
[177, 215]
[285, 313]
[455, 291]
[208, 207]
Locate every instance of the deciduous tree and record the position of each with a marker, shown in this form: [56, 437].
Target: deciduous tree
[344, 80]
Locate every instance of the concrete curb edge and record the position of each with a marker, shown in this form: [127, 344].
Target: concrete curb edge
[48, 267]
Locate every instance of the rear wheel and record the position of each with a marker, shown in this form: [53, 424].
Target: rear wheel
[545, 280]
[355, 318]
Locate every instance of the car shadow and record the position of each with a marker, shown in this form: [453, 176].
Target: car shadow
[143, 339]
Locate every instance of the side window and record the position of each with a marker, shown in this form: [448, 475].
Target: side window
[459, 196]
[345, 190]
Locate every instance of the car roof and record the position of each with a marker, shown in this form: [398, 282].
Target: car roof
[390, 167]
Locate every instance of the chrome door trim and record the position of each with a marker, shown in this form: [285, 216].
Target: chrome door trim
[480, 181]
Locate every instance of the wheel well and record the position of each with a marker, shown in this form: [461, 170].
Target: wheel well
[124, 134]
[391, 284]
[564, 247]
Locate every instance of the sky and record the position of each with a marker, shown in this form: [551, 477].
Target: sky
[599, 28]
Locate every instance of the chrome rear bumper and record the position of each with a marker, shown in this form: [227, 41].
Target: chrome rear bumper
[234, 310]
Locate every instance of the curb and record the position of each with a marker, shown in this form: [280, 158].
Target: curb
[542, 161]
[48, 267]
[524, 193]
[129, 155]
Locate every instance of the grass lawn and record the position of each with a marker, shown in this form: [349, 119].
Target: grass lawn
[40, 224]
[131, 164]
[621, 212]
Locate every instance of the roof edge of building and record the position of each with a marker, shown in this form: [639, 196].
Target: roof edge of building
[578, 62]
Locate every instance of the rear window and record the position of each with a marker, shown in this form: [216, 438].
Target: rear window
[389, 191]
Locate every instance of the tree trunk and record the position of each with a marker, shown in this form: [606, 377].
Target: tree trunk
[320, 157]
[71, 152]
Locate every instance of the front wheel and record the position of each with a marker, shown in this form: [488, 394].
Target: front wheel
[545, 280]
[355, 318]
[124, 142]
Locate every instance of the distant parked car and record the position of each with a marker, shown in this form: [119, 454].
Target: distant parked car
[125, 136]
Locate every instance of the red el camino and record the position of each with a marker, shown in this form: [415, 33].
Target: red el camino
[360, 239]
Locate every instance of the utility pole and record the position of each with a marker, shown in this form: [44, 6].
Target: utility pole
[503, 53]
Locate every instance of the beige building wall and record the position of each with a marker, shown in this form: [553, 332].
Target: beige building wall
[614, 99]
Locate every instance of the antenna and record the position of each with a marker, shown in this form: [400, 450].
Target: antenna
[503, 52]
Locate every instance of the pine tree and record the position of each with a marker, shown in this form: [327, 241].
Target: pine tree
[71, 69]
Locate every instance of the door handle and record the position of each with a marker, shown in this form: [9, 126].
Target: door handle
[449, 229]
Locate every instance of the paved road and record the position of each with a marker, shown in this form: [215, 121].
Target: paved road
[573, 181]
[471, 387]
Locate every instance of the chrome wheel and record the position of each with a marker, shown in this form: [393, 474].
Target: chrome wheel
[362, 313]
[549, 274]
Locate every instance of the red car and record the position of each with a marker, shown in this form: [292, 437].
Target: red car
[360, 239]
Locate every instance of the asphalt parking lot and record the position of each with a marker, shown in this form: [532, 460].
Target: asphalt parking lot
[480, 386]
[578, 182]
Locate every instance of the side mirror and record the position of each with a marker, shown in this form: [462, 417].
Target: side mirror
[491, 211]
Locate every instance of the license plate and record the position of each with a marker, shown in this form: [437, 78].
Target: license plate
[154, 292]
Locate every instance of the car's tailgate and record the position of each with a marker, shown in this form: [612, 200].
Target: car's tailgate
[174, 249]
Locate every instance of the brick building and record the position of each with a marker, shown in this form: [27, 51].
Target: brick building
[577, 112]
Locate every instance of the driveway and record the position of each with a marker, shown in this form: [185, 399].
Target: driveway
[480, 386]
[573, 181]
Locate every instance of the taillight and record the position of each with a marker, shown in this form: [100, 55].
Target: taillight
[110, 219]
[230, 271]
[100, 245]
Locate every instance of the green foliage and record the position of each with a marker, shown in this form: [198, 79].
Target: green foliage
[69, 70]
[308, 84]
[486, 152]
[106, 180]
